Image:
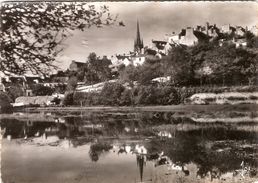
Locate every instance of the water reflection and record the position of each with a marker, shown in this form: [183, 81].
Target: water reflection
[165, 146]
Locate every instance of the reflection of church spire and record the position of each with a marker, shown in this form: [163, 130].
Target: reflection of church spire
[140, 163]
[138, 43]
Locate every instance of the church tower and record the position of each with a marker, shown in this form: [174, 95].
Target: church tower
[138, 43]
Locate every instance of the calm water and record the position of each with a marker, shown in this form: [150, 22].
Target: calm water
[129, 147]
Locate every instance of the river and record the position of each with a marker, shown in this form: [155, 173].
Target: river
[129, 146]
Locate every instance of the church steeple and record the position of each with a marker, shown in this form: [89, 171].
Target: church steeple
[138, 43]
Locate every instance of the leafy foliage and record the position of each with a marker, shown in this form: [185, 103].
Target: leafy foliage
[129, 75]
[149, 71]
[5, 101]
[99, 67]
[68, 98]
[60, 88]
[126, 98]
[72, 83]
[111, 93]
[33, 33]
[41, 90]
[15, 91]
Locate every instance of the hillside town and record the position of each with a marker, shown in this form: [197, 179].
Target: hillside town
[160, 48]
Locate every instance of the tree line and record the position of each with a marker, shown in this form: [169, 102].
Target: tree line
[116, 94]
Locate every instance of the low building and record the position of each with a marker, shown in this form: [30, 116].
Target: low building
[74, 66]
[240, 43]
[36, 100]
[189, 39]
[125, 59]
[254, 30]
[138, 59]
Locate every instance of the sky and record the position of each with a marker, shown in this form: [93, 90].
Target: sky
[155, 20]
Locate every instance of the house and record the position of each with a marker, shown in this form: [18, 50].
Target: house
[254, 30]
[225, 28]
[74, 66]
[185, 37]
[188, 37]
[240, 43]
[138, 59]
[172, 38]
[209, 30]
[161, 47]
[240, 31]
[151, 54]
[24, 81]
[125, 59]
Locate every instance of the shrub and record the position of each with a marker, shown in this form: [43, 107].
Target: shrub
[146, 96]
[80, 98]
[68, 98]
[126, 98]
[56, 101]
[5, 101]
[41, 90]
[111, 93]
[252, 97]
[210, 99]
[236, 98]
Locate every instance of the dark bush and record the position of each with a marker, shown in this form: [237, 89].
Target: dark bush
[68, 98]
[126, 98]
[236, 98]
[253, 97]
[111, 93]
[5, 101]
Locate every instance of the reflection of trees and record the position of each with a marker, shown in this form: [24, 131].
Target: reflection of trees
[12, 127]
[20, 129]
[195, 146]
[97, 149]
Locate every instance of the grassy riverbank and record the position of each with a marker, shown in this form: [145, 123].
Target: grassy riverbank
[196, 108]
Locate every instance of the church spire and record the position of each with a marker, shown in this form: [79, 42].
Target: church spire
[138, 43]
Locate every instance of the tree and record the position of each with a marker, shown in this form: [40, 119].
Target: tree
[254, 42]
[178, 65]
[129, 74]
[125, 99]
[5, 102]
[111, 93]
[146, 96]
[149, 71]
[68, 98]
[60, 74]
[251, 71]
[60, 88]
[99, 68]
[220, 63]
[72, 83]
[32, 33]
[15, 91]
